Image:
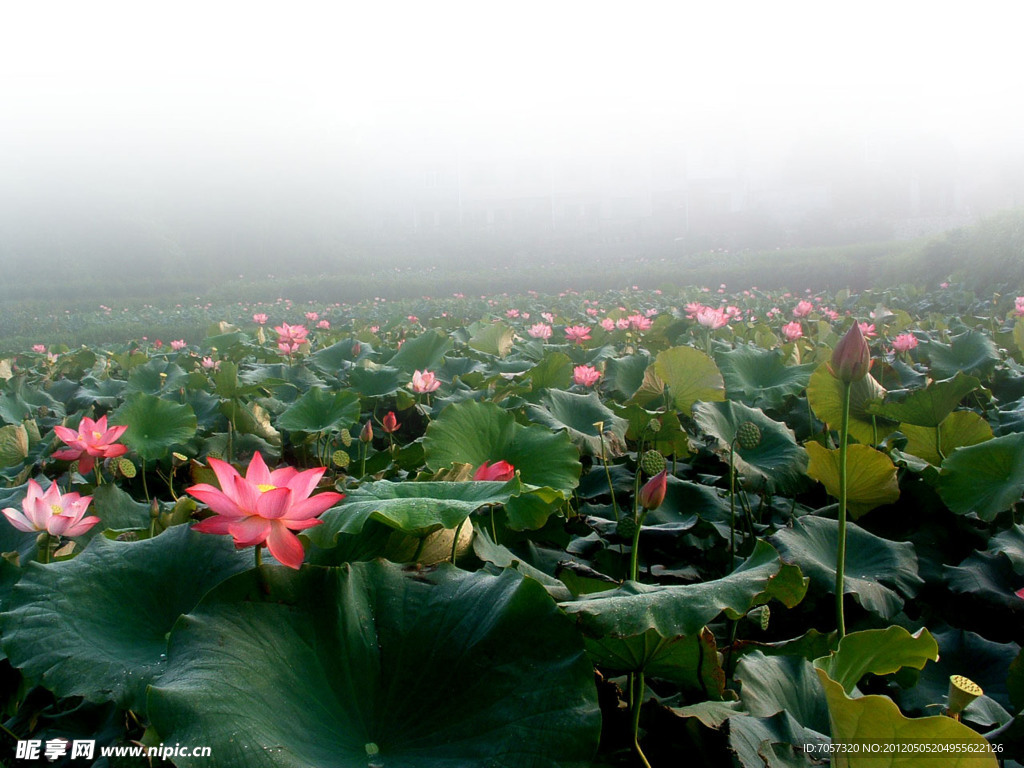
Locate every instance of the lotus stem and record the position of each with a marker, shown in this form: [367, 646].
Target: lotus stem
[634, 555]
[732, 508]
[455, 541]
[844, 430]
[638, 699]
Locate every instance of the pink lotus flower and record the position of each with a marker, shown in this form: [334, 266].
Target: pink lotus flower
[290, 337]
[210, 364]
[639, 322]
[622, 323]
[259, 318]
[802, 309]
[608, 324]
[904, 342]
[1018, 307]
[548, 316]
[324, 325]
[867, 330]
[499, 470]
[851, 359]
[39, 348]
[312, 316]
[512, 314]
[58, 515]
[389, 423]
[424, 381]
[652, 494]
[692, 309]
[577, 333]
[92, 440]
[585, 375]
[792, 331]
[540, 331]
[264, 506]
[712, 318]
[592, 311]
[178, 344]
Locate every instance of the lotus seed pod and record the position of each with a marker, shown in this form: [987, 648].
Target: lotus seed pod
[748, 435]
[341, 459]
[125, 467]
[961, 693]
[346, 437]
[652, 462]
[626, 528]
[654, 425]
[766, 616]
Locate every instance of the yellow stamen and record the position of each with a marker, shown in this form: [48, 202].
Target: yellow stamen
[57, 509]
[264, 487]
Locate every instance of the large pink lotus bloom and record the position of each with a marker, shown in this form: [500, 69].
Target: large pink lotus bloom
[867, 330]
[802, 309]
[39, 349]
[290, 337]
[264, 506]
[640, 322]
[712, 318]
[692, 309]
[178, 344]
[608, 324]
[540, 331]
[424, 381]
[792, 331]
[585, 375]
[499, 470]
[904, 342]
[259, 318]
[50, 511]
[577, 333]
[92, 440]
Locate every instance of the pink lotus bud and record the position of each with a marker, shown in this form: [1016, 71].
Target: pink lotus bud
[851, 359]
[653, 491]
[499, 470]
[366, 433]
[390, 422]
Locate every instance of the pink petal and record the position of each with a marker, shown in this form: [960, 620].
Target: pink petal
[67, 454]
[274, 504]
[304, 483]
[226, 475]
[18, 520]
[113, 434]
[85, 463]
[112, 451]
[81, 526]
[285, 546]
[247, 494]
[313, 506]
[257, 473]
[88, 425]
[217, 500]
[250, 531]
[216, 524]
[300, 525]
[66, 434]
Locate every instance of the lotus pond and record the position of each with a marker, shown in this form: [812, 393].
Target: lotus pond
[526, 531]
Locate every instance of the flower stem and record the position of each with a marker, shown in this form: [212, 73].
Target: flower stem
[732, 508]
[841, 544]
[634, 555]
[638, 699]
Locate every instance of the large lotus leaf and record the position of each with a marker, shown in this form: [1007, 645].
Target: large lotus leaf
[670, 439]
[96, 625]
[227, 384]
[155, 425]
[877, 652]
[23, 401]
[250, 418]
[472, 433]
[651, 392]
[369, 665]
[778, 741]
[635, 608]
[413, 508]
[422, 353]
[958, 430]
[962, 653]
[690, 376]
[554, 371]
[623, 376]
[375, 381]
[579, 416]
[320, 411]
[117, 510]
[155, 377]
[873, 564]
[870, 476]
[493, 339]
[691, 662]
[106, 393]
[13, 445]
[988, 579]
[987, 478]
[338, 356]
[972, 352]
[929, 406]
[760, 377]
[1010, 544]
[825, 393]
[772, 684]
[777, 462]
[877, 720]
[503, 557]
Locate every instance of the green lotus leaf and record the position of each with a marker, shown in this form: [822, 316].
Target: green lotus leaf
[319, 410]
[376, 381]
[776, 463]
[155, 377]
[636, 608]
[877, 718]
[875, 567]
[13, 445]
[773, 684]
[413, 508]
[670, 439]
[987, 478]
[472, 433]
[972, 352]
[625, 375]
[760, 377]
[928, 407]
[96, 625]
[155, 426]
[579, 416]
[958, 430]
[825, 393]
[422, 353]
[369, 665]
[870, 476]
[22, 401]
[554, 371]
[690, 376]
[492, 339]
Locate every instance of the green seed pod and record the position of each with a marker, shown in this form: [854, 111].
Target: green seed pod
[652, 462]
[654, 425]
[341, 459]
[961, 693]
[748, 435]
[626, 528]
[125, 467]
[346, 437]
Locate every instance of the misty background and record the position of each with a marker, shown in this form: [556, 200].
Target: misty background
[148, 143]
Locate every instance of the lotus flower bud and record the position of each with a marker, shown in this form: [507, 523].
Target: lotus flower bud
[366, 433]
[390, 422]
[653, 491]
[499, 470]
[851, 359]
